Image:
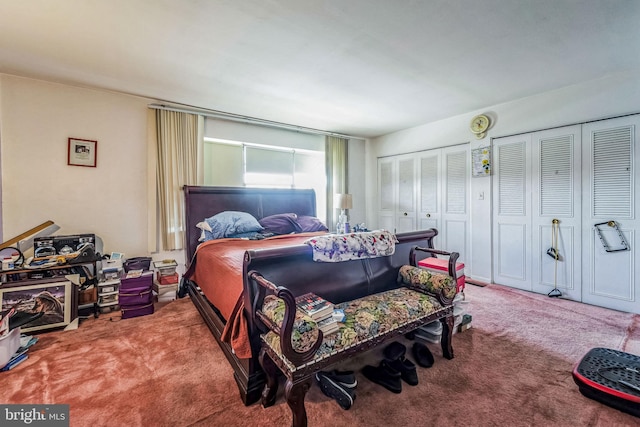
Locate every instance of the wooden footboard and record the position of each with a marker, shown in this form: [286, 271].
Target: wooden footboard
[248, 375]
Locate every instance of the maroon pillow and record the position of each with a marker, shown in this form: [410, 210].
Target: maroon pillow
[311, 223]
[280, 223]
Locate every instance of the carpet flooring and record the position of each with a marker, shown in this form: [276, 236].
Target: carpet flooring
[511, 368]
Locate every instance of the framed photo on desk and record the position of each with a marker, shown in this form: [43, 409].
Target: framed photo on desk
[55, 299]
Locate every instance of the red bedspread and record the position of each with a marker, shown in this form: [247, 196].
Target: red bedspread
[218, 272]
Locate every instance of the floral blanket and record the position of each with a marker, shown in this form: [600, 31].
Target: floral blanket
[344, 247]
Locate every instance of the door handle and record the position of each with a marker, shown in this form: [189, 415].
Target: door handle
[428, 215]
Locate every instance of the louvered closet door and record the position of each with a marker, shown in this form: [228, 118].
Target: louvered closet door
[512, 211]
[455, 206]
[387, 183]
[556, 195]
[406, 207]
[611, 157]
[429, 193]
[397, 193]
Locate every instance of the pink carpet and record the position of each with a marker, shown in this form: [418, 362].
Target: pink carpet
[512, 368]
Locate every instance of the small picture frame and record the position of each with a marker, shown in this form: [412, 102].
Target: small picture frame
[82, 152]
[481, 162]
[55, 299]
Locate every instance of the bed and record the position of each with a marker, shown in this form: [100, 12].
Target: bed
[217, 270]
[215, 307]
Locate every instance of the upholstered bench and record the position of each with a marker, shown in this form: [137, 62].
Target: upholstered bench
[293, 344]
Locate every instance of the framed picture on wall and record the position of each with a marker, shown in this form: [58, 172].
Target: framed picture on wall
[481, 162]
[54, 299]
[82, 152]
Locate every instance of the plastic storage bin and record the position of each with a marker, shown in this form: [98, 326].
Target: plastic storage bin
[9, 344]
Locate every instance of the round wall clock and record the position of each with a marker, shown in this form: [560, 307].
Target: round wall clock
[479, 125]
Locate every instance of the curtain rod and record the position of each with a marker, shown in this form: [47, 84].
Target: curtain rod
[250, 120]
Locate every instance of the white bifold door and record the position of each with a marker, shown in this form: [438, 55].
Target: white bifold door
[427, 189]
[611, 264]
[569, 191]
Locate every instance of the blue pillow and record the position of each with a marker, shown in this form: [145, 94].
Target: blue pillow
[251, 235]
[230, 223]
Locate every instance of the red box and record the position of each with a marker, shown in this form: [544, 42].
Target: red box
[441, 265]
[170, 279]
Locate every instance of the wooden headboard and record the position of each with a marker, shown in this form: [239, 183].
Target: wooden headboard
[203, 202]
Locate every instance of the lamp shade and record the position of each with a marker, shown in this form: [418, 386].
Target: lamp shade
[343, 201]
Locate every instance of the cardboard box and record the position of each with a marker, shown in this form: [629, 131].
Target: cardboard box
[88, 296]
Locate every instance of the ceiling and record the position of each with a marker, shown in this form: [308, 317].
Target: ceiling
[355, 67]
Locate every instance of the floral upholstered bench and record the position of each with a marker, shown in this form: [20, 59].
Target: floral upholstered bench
[293, 344]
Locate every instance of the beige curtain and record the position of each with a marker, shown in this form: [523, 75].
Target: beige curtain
[336, 151]
[177, 165]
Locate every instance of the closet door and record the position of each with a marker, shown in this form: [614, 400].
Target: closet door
[556, 198]
[429, 192]
[512, 211]
[428, 189]
[387, 183]
[397, 193]
[406, 204]
[455, 206]
[610, 249]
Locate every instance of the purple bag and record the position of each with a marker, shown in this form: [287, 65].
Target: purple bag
[136, 310]
[137, 282]
[135, 296]
[137, 263]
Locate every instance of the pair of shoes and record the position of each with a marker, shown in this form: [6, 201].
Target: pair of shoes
[384, 375]
[395, 351]
[394, 354]
[407, 370]
[338, 385]
[422, 355]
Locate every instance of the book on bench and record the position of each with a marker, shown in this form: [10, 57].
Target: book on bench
[314, 306]
[328, 325]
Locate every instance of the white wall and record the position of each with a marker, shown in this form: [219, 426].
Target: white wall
[36, 118]
[607, 97]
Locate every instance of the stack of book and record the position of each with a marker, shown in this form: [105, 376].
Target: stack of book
[166, 282]
[320, 310]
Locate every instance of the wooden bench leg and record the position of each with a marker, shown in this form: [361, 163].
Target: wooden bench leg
[447, 335]
[271, 387]
[295, 393]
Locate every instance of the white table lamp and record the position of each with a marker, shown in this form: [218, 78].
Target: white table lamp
[343, 202]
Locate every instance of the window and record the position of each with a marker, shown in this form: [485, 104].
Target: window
[234, 163]
[268, 166]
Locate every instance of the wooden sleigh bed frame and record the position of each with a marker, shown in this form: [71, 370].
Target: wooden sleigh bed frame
[204, 202]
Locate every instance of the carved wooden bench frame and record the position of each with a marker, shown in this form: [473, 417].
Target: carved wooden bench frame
[300, 380]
